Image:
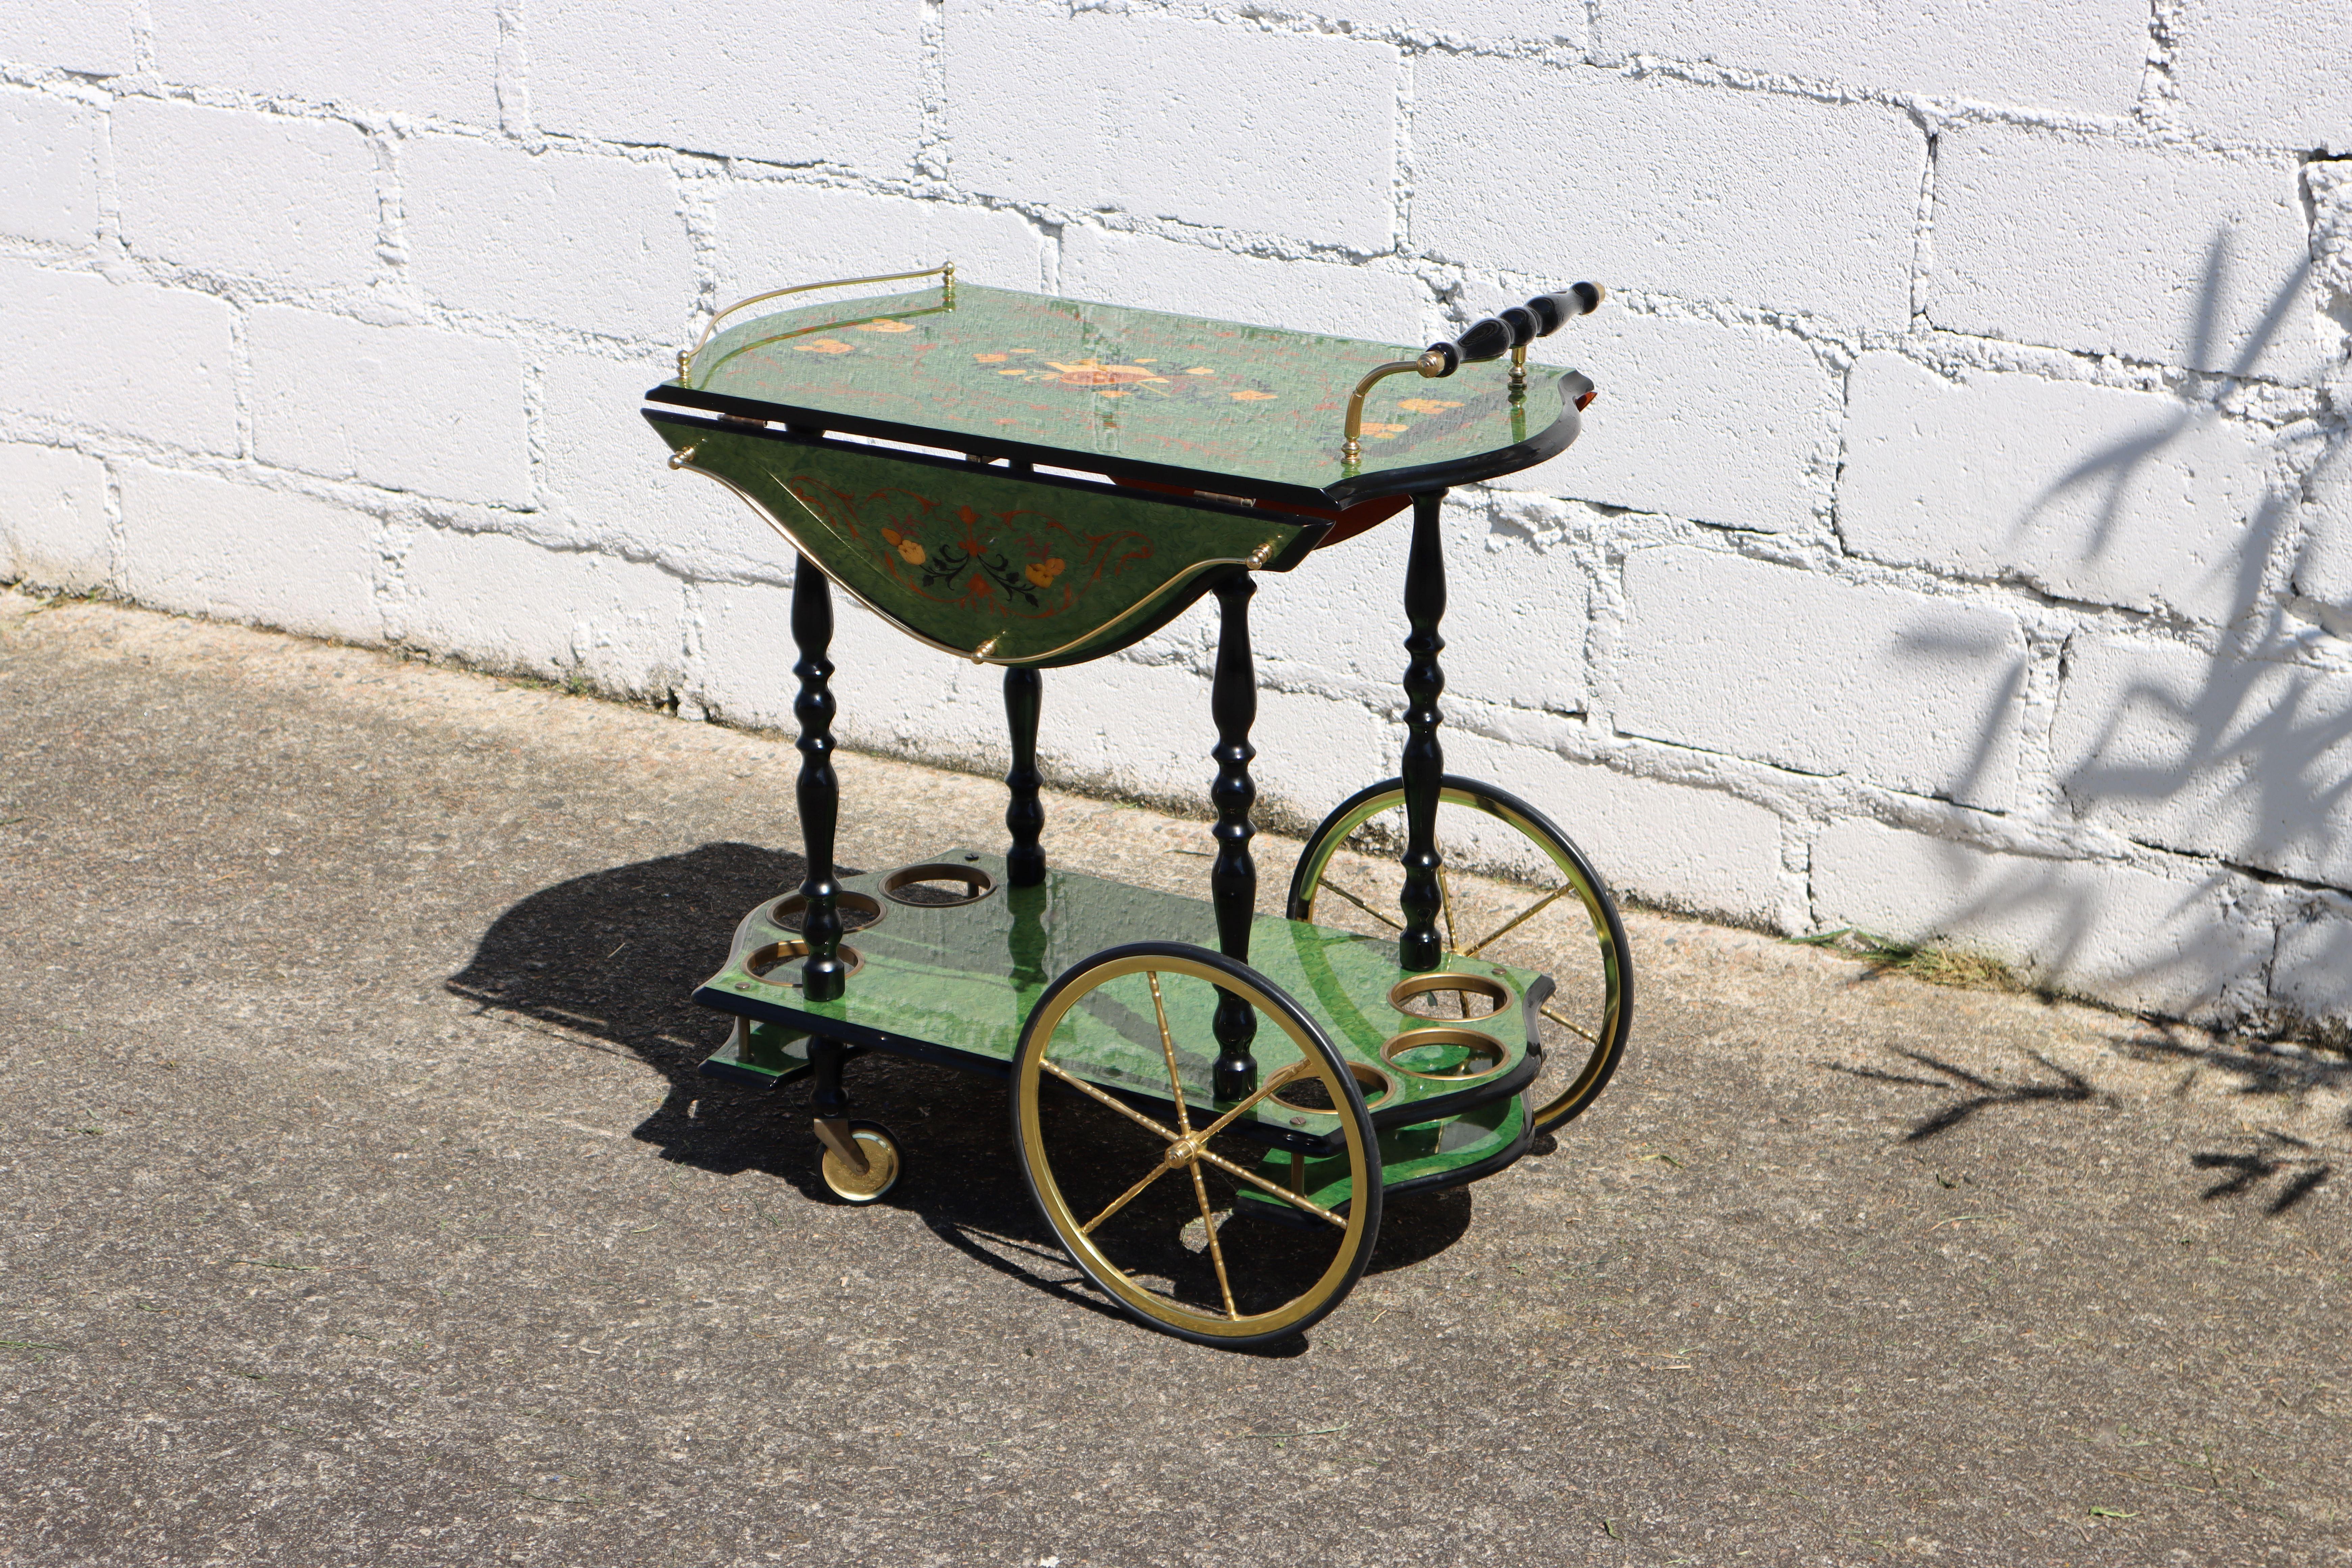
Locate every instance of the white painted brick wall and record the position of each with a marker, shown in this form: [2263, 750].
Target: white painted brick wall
[126, 357]
[596, 491]
[48, 168]
[2310, 973]
[2184, 945]
[434, 59]
[2276, 71]
[1961, 545]
[210, 546]
[771, 232]
[53, 516]
[2248, 761]
[2324, 571]
[96, 37]
[2107, 247]
[514, 606]
[595, 244]
[185, 178]
[2132, 499]
[1791, 667]
[1728, 424]
[1264, 131]
[1665, 186]
[411, 408]
[1701, 850]
[809, 84]
[2085, 55]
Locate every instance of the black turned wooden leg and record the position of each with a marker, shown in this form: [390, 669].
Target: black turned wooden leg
[1424, 758]
[1024, 816]
[1232, 876]
[823, 972]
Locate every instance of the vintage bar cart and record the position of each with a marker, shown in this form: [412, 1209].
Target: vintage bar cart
[1034, 483]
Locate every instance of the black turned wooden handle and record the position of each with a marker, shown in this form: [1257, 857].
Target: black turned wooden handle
[1496, 335]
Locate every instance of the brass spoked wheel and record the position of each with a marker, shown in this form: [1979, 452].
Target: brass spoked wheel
[1517, 891]
[1137, 1169]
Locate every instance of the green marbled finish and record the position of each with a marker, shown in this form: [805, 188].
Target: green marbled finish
[961, 554]
[1257, 404]
[965, 978]
[1407, 1155]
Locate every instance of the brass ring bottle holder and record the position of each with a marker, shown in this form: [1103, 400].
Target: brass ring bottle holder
[1508, 331]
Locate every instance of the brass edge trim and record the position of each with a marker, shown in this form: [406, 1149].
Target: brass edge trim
[979, 654]
[945, 272]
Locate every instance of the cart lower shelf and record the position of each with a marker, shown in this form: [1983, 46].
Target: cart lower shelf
[954, 983]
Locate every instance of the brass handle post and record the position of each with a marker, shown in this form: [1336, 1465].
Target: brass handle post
[1508, 331]
[1436, 360]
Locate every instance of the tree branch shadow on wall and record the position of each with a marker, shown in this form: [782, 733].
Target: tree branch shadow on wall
[2260, 744]
[2241, 759]
[616, 954]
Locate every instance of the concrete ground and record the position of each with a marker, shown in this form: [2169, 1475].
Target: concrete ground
[359, 1204]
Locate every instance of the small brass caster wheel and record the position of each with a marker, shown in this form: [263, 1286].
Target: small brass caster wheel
[861, 1160]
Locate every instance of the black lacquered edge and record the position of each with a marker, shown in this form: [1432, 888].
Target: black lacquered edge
[1509, 1154]
[1551, 441]
[1469, 1096]
[1260, 1206]
[1543, 446]
[1314, 526]
[750, 1078]
[850, 1034]
[1285, 1138]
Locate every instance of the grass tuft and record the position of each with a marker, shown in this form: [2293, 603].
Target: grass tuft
[1925, 961]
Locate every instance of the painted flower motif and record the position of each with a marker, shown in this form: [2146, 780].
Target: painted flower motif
[1042, 572]
[991, 359]
[910, 550]
[1380, 432]
[886, 326]
[1016, 369]
[824, 346]
[1247, 395]
[1094, 373]
[1427, 404]
[1199, 370]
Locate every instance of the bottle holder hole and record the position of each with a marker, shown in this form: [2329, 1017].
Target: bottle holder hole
[1446, 1056]
[937, 885]
[857, 911]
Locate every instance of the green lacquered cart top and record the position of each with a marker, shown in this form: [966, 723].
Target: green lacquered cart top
[965, 977]
[1103, 387]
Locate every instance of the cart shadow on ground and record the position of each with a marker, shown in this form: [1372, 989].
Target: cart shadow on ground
[614, 956]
